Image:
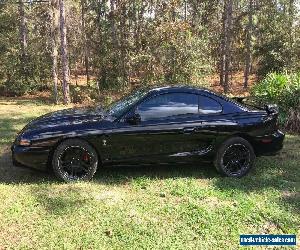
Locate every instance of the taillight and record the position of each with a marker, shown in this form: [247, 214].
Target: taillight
[266, 140]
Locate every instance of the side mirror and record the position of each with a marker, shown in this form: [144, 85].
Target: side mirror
[134, 119]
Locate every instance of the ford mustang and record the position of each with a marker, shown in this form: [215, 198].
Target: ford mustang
[151, 126]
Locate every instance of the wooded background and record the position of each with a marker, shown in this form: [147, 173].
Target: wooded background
[119, 43]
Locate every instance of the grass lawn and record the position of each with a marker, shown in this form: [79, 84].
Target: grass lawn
[179, 207]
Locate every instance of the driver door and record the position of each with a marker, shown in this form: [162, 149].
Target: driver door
[157, 130]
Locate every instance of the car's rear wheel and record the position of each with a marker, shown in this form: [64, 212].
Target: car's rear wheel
[235, 157]
[74, 160]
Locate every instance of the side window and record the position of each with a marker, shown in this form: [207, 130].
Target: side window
[168, 106]
[208, 105]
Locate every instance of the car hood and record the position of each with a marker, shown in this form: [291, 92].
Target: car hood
[67, 117]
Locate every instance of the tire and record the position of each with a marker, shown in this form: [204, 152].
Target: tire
[235, 157]
[74, 160]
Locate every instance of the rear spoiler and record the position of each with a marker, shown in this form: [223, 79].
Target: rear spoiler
[239, 99]
[270, 108]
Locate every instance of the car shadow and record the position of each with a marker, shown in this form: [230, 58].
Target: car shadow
[114, 175]
[265, 175]
[276, 172]
[269, 173]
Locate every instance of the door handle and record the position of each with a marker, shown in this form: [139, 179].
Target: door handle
[188, 130]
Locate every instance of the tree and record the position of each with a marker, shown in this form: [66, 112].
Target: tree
[54, 42]
[248, 43]
[121, 43]
[226, 45]
[273, 49]
[85, 41]
[23, 39]
[64, 52]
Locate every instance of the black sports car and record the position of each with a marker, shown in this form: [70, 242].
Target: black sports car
[160, 125]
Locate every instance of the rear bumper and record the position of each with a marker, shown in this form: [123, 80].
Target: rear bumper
[31, 157]
[270, 144]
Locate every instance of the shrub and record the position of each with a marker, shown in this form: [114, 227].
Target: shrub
[19, 87]
[283, 90]
[293, 121]
[81, 94]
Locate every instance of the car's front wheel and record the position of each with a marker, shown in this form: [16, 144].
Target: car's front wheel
[74, 160]
[235, 157]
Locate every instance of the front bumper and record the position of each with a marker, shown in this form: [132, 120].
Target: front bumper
[269, 144]
[32, 157]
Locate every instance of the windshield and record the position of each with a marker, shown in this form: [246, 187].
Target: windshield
[117, 108]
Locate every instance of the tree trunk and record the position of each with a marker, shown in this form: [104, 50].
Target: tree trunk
[135, 29]
[113, 23]
[222, 47]
[23, 40]
[185, 10]
[64, 52]
[123, 42]
[172, 73]
[291, 31]
[248, 45]
[85, 42]
[54, 41]
[227, 51]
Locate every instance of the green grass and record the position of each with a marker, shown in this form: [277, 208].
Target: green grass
[174, 207]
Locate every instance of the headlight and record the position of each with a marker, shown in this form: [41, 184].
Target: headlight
[24, 142]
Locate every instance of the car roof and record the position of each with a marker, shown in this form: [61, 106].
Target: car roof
[176, 88]
[185, 88]
[197, 90]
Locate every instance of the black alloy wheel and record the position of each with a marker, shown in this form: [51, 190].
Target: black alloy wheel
[74, 160]
[235, 157]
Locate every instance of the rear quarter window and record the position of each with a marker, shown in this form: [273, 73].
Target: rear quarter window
[208, 105]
